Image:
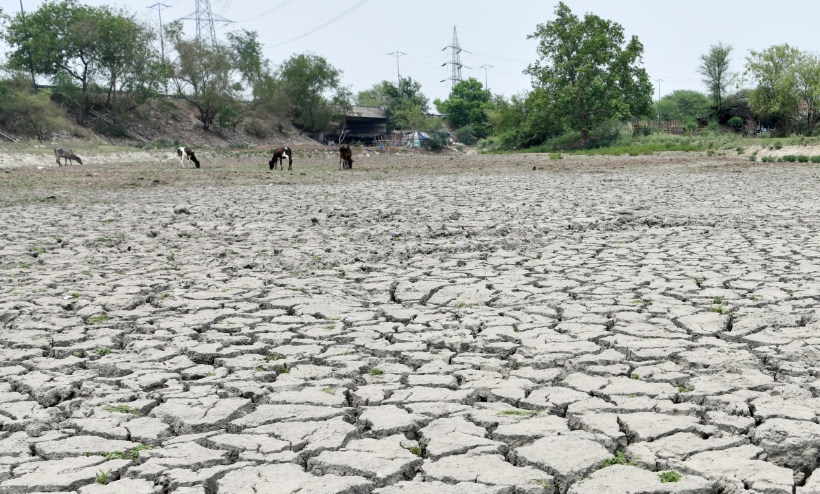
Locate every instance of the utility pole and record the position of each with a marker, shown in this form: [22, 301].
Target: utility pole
[456, 59]
[158, 7]
[659, 88]
[485, 67]
[205, 19]
[397, 54]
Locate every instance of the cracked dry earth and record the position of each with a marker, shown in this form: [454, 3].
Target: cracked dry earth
[554, 331]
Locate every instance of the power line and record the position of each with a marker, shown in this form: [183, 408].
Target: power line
[397, 54]
[351, 9]
[159, 7]
[263, 14]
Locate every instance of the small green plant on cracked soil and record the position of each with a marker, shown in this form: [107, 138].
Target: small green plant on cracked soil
[123, 409]
[415, 450]
[519, 413]
[102, 351]
[670, 476]
[376, 372]
[619, 459]
[102, 477]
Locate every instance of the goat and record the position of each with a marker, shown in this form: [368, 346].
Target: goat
[186, 153]
[68, 155]
[279, 155]
[345, 157]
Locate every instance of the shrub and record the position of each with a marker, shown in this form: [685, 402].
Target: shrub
[467, 135]
[713, 125]
[778, 145]
[255, 128]
[690, 126]
[32, 114]
[556, 156]
[815, 159]
[735, 122]
[790, 158]
[803, 158]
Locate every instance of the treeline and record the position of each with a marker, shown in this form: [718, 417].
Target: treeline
[105, 59]
[587, 81]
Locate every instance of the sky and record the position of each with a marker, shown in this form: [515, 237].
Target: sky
[492, 33]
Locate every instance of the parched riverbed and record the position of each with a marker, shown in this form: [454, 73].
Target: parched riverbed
[419, 324]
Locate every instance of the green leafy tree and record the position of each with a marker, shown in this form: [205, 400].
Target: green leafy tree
[773, 73]
[375, 97]
[807, 89]
[314, 93]
[406, 105]
[204, 75]
[58, 37]
[468, 105]
[250, 61]
[89, 47]
[128, 63]
[683, 105]
[587, 74]
[714, 67]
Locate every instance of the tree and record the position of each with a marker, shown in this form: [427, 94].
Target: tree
[128, 62]
[313, 89]
[87, 46]
[587, 73]
[774, 96]
[375, 97]
[249, 59]
[467, 105]
[683, 105]
[57, 37]
[204, 76]
[807, 88]
[406, 105]
[714, 67]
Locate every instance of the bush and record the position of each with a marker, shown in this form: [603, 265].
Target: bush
[803, 158]
[713, 125]
[255, 128]
[690, 126]
[815, 159]
[790, 158]
[31, 114]
[778, 145]
[467, 135]
[735, 122]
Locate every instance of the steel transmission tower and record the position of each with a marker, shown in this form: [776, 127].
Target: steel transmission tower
[455, 62]
[205, 20]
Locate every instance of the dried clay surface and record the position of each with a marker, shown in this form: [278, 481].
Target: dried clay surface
[419, 324]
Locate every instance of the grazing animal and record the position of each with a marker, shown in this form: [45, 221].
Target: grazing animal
[68, 155]
[345, 157]
[186, 153]
[279, 155]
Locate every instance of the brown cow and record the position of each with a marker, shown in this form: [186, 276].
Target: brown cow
[345, 157]
[279, 155]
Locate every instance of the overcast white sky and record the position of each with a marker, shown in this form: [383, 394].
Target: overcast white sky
[494, 32]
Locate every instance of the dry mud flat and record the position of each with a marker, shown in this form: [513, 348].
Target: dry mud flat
[473, 332]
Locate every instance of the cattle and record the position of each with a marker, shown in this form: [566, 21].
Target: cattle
[186, 153]
[68, 155]
[345, 157]
[279, 155]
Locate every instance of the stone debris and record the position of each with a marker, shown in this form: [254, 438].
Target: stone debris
[607, 330]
